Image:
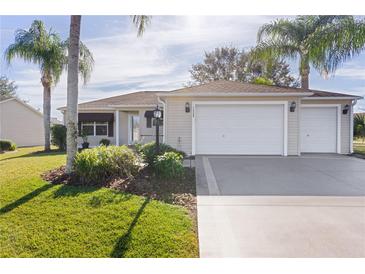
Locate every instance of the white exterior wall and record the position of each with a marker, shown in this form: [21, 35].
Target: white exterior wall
[21, 124]
[345, 122]
[179, 123]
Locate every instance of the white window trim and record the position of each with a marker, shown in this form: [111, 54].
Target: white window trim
[338, 106]
[94, 124]
[285, 118]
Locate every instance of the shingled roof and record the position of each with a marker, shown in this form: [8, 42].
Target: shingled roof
[135, 99]
[224, 87]
[221, 87]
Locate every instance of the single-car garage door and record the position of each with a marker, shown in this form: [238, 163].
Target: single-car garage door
[318, 129]
[251, 129]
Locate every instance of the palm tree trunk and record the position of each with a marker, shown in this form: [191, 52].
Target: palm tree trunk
[304, 71]
[72, 90]
[47, 114]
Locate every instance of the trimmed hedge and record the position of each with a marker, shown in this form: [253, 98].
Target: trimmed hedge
[169, 166]
[148, 152]
[98, 165]
[58, 136]
[7, 145]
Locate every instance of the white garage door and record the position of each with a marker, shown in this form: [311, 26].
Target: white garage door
[318, 129]
[239, 129]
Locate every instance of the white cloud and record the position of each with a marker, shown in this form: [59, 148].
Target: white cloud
[158, 60]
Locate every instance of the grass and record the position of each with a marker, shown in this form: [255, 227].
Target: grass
[359, 146]
[38, 219]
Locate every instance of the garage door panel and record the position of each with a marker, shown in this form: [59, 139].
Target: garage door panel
[318, 129]
[239, 129]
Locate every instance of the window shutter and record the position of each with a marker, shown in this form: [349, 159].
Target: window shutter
[149, 122]
[110, 128]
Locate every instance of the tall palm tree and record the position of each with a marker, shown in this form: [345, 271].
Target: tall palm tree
[141, 22]
[46, 49]
[286, 38]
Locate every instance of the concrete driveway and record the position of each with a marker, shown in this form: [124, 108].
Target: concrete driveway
[308, 206]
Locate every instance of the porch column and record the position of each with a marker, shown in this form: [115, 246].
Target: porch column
[116, 127]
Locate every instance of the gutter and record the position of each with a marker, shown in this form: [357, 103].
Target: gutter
[334, 98]
[231, 94]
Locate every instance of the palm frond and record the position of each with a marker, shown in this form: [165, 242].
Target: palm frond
[86, 60]
[281, 29]
[274, 50]
[337, 42]
[141, 22]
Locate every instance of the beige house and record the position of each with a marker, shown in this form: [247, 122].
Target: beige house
[227, 117]
[20, 123]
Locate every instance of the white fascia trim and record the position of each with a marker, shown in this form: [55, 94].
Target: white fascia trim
[338, 106]
[7, 100]
[130, 106]
[333, 98]
[26, 105]
[232, 94]
[285, 120]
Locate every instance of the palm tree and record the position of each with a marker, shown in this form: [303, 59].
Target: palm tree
[141, 22]
[46, 49]
[359, 125]
[301, 38]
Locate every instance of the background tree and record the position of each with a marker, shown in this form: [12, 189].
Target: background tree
[301, 38]
[46, 49]
[7, 87]
[229, 63]
[74, 62]
[359, 125]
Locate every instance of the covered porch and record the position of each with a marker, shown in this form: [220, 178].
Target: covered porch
[122, 126]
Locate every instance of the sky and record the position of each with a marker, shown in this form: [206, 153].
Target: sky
[159, 60]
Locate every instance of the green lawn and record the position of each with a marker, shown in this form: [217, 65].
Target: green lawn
[38, 219]
[359, 148]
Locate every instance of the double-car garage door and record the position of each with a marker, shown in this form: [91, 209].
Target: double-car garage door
[260, 128]
[256, 129]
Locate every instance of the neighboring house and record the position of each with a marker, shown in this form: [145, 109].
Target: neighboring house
[20, 123]
[227, 117]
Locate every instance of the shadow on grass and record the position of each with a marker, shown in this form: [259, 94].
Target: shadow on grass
[36, 154]
[72, 191]
[24, 199]
[122, 244]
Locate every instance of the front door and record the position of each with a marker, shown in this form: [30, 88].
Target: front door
[133, 129]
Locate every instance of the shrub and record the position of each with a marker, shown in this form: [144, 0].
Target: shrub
[148, 151]
[104, 142]
[169, 165]
[58, 136]
[100, 164]
[7, 145]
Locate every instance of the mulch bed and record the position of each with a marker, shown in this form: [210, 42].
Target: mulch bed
[180, 192]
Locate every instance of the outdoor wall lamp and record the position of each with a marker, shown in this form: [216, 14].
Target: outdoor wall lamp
[293, 105]
[157, 113]
[187, 107]
[345, 109]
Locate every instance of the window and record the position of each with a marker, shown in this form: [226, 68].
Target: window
[95, 128]
[101, 129]
[87, 128]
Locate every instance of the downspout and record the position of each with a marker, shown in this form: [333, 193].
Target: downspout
[164, 119]
[352, 126]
